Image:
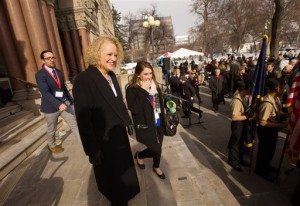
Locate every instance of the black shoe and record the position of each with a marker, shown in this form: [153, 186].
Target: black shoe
[200, 116]
[185, 116]
[237, 167]
[161, 176]
[141, 166]
[215, 109]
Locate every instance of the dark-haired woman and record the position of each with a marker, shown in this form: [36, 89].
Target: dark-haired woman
[144, 100]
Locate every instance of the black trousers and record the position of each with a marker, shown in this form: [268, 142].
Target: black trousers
[236, 143]
[267, 139]
[187, 107]
[153, 150]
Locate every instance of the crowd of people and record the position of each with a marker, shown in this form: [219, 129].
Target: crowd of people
[100, 120]
[233, 78]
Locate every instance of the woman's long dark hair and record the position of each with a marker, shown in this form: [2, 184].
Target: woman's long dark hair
[140, 66]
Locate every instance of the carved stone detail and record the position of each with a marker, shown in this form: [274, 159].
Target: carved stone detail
[51, 2]
[86, 14]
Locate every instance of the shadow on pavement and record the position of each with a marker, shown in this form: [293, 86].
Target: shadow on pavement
[247, 187]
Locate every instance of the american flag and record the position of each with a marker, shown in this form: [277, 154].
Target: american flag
[293, 102]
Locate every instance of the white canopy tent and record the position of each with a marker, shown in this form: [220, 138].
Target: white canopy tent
[181, 53]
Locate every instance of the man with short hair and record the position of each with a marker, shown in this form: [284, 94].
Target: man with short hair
[217, 85]
[56, 99]
[269, 120]
[175, 85]
[236, 142]
[270, 73]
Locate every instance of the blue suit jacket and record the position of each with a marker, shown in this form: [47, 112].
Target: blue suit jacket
[48, 87]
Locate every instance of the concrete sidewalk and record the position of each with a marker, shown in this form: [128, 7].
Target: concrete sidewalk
[66, 179]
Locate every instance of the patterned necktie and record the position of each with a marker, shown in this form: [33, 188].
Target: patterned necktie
[54, 74]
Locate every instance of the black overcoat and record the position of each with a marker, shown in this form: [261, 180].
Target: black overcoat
[102, 119]
[217, 86]
[143, 114]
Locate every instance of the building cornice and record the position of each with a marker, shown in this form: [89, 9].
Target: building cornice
[77, 18]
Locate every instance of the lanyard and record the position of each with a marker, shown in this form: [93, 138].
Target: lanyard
[57, 81]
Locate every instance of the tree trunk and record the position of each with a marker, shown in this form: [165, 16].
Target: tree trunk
[276, 26]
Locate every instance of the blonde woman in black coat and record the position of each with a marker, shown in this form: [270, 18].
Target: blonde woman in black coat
[102, 119]
[144, 100]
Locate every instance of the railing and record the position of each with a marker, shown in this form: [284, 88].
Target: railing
[189, 104]
[20, 80]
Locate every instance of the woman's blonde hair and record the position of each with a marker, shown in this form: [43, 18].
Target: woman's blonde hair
[92, 54]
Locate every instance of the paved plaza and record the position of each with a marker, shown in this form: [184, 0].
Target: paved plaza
[194, 162]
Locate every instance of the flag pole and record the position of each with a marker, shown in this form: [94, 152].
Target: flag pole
[257, 90]
[282, 155]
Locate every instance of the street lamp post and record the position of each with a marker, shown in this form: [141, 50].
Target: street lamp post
[151, 23]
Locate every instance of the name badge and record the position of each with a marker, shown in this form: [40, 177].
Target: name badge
[59, 94]
[156, 115]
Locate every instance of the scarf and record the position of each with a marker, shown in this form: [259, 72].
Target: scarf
[154, 99]
[153, 89]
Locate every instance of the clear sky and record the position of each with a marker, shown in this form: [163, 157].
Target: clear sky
[179, 10]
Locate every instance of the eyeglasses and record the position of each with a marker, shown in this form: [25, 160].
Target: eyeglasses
[48, 58]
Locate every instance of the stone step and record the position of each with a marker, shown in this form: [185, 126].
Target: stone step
[9, 110]
[16, 133]
[18, 151]
[14, 120]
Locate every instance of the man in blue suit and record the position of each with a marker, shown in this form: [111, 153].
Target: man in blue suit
[56, 99]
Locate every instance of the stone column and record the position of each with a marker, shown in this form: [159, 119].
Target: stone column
[77, 49]
[84, 39]
[50, 32]
[9, 53]
[35, 28]
[70, 53]
[58, 41]
[21, 38]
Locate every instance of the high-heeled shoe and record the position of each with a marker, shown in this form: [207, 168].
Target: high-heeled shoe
[161, 176]
[141, 166]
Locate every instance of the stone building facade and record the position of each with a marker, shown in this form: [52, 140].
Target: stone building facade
[67, 27]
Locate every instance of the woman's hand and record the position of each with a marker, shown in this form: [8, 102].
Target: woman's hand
[146, 84]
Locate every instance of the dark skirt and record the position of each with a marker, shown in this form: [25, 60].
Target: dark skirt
[116, 177]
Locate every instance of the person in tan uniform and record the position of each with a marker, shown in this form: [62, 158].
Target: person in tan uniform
[238, 106]
[269, 120]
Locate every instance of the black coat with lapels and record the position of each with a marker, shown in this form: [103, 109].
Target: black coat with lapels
[102, 118]
[143, 116]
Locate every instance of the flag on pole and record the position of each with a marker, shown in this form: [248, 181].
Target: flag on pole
[257, 91]
[293, 103]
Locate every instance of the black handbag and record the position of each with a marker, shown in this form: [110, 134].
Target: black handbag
[171, 123]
